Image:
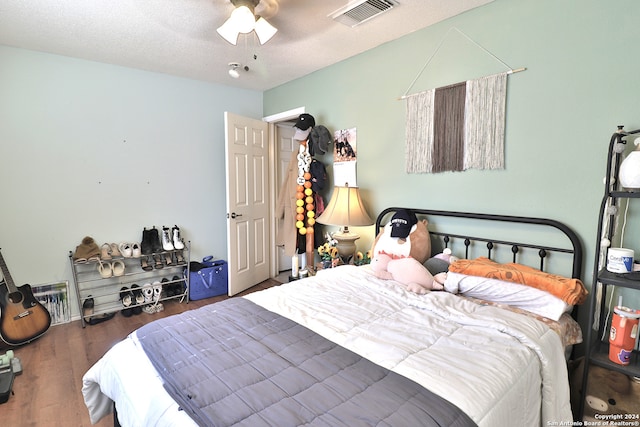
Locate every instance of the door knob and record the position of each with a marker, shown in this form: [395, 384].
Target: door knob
[235, 215]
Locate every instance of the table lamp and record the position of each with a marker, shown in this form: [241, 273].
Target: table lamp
[345, 209]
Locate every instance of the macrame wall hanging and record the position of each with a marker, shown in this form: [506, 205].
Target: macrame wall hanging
[457, 127]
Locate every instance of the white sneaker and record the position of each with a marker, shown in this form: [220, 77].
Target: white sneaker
[157, 290]
[136, 252]
[147, 291]
[125, 249]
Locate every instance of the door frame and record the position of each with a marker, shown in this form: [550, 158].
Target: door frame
[272, 120]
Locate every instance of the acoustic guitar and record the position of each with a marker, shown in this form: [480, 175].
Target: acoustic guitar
[22, 317]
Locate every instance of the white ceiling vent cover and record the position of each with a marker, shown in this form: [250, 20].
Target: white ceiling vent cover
[357, 12]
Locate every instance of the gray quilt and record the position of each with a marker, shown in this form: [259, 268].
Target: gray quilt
[234, 363]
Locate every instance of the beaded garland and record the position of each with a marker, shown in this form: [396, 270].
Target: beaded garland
[305, 209]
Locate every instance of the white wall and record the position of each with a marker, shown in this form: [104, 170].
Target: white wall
[88, 149]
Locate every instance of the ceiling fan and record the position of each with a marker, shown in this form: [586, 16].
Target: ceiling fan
[244, 20]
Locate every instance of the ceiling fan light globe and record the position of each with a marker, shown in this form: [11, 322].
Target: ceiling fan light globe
[243, 19]
[234, 73]
[264, 30]
[228, 32]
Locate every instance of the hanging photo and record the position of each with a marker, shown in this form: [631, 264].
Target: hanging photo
[345, 145]
[345, 157]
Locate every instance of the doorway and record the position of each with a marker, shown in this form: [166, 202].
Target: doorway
[282, 144]
[285, 146]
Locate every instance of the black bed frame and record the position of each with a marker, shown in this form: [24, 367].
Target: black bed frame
[574, 248]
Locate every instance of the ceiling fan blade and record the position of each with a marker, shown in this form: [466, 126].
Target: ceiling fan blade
[267, 8]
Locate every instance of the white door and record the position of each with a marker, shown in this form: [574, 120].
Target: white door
[248, 213]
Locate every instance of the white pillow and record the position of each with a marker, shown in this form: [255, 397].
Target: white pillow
[513, 294]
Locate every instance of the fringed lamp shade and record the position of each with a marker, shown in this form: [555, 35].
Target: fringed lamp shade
[345, 209]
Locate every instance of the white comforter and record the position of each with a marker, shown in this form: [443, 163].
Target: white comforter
[501, 368]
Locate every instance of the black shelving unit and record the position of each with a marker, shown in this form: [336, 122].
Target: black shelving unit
[597, 346]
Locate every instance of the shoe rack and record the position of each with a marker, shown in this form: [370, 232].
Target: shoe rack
[100, 294]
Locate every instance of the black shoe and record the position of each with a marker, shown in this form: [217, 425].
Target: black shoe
[178, 285]
[101, 318]
[165, 289]
[175, 287]
[138, 299]
[87, 309]
[146, 247]
[155, 240]
[126, 298]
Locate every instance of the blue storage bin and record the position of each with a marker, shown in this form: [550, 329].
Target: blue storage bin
[208, 279]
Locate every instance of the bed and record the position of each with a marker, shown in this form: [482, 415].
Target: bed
[346, 348]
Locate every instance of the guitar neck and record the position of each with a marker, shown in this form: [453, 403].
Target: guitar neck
[7, 275]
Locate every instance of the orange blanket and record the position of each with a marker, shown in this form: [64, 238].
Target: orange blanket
[571, 291]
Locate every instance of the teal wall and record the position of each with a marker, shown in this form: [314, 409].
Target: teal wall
[95, 149]
[90, 149]
[579, 84]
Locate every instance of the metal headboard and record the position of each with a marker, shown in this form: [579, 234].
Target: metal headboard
[574, 248]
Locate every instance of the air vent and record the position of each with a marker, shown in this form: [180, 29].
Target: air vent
[357, 12]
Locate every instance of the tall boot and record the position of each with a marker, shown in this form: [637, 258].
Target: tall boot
[178, 243]
[146, 246]
[166, 239]
[155, 240]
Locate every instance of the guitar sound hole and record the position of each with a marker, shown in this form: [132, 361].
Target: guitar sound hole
[15, 297]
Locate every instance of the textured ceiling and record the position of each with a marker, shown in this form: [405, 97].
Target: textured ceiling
[178, 37]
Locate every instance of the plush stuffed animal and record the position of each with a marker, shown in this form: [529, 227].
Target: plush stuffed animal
[400, 250]
[608, 393]
[404, 236]
[408, 271]
[439, 263]
[446, 255]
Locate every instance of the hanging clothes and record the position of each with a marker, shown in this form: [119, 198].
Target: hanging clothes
[286, 209]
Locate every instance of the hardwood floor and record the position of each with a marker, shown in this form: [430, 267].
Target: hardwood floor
[49, 390]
